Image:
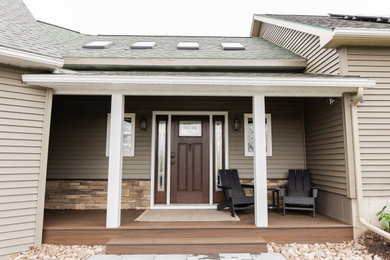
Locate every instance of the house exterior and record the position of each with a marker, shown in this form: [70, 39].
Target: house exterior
[349, 45]
[133, 122]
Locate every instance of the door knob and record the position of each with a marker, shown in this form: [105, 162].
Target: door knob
[172, 155]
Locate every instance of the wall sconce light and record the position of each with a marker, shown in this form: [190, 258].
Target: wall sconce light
[330, 101]
[236, 124]
[143, 124]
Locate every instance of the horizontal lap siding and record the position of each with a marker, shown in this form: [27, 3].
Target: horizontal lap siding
[374, 117]
[287, 140]
[320, 61]
[22, 112]
[325, 145]
[78, 134]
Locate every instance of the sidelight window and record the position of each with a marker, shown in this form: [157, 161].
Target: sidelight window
[249, 134]
[161, 154]
[218, 150]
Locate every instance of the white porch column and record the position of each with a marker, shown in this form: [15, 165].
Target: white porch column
[260, 162]
[114, 190]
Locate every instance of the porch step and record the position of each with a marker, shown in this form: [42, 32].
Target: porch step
[185, 245]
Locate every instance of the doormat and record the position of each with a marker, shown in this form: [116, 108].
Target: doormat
[159, 215]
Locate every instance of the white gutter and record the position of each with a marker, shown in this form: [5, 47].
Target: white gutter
[358, 37]
[358, 172]
[28, 59]
[361, 32]
[50, 79]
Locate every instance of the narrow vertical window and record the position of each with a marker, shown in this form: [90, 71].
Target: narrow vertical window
[218, 149]
[249, 135]
[161, 153]
[128, 125]
[128, 134]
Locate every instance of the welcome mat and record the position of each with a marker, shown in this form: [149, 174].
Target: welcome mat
[186, 215]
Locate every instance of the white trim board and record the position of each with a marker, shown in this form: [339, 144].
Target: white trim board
[211, 152]
[28, 59]
[198, 86]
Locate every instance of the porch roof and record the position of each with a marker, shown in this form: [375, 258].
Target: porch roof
[197, 83]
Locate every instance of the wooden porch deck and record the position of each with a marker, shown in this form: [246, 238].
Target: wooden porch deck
[88, 227]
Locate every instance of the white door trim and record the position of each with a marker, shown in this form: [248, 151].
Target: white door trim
[211, 154]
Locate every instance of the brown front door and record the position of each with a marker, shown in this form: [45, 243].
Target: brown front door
[190, 159]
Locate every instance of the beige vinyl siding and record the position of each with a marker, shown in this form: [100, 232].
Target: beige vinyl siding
[325, 154]
[22, 111]
[320, 61]
[78, 134]
[373, 117]
[288, 149]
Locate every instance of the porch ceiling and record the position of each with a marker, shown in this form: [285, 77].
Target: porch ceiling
[198, 84]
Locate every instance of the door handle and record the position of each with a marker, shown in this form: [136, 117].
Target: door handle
[172, 155]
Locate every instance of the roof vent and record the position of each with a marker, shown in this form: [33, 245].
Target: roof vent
[97, 44]
[188, 46]
[235, 46]
[143, 45]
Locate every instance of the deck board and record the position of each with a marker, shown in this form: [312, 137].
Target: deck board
[58, 219]
[88, 227]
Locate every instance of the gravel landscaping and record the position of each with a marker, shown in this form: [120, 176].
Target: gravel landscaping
[347, 250]
[48, 251]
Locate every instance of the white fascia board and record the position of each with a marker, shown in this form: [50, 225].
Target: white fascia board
[195, 86]
[300, 63]
[325, 34]
[27, 59]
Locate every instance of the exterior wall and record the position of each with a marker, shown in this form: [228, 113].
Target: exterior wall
[325, 153]
[335, 205]
[288, 145]
[374, 124]
[78, 134]
[24, 113]
[92, 194]
[320, 61]
[373, 117]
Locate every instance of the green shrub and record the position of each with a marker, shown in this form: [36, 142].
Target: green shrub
[384, 217]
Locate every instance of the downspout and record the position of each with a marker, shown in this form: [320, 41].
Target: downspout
[358, 173]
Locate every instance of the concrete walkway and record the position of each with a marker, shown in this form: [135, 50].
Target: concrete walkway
[263, 256]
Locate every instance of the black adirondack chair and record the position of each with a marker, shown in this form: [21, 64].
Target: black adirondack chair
[234, 195]
[299, 194]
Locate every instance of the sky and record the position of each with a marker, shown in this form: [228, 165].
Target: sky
[184, 17]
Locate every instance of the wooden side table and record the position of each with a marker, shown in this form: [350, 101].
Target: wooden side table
[275, 199]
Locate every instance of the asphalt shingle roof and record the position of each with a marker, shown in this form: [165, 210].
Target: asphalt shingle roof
[19, 30]
[70, 44]
[328, 22]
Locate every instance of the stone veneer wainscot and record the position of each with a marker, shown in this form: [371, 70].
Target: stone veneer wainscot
[92, 194]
